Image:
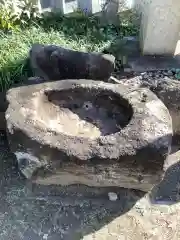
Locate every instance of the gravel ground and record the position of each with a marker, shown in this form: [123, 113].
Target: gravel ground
[32, 212]
[173, 73]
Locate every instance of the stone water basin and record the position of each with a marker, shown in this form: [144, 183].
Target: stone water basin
[89, 132]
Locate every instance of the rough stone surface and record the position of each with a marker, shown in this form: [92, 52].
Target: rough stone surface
[124, 141]
[55, 63]
[167, 89]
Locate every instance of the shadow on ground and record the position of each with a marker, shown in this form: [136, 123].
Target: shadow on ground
[38, 212]
[168, 191]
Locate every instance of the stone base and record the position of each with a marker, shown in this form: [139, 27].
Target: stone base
[114, 175]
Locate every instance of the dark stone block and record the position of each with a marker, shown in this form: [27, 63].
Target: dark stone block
[3, 102]
[55, 63]
[89, 132]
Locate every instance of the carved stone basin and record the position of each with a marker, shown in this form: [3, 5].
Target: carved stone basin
[89, 132]
[81, 112]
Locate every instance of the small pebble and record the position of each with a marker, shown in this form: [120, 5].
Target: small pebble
[45, 236]
[170, 73]
[112, 196]
[150, 74]
[166, 78]
[145, 76]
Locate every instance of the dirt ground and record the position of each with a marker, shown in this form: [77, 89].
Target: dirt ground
[32, 212]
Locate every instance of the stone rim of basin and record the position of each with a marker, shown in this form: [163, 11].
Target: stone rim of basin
[66, 98]
[147, 135]
[130, 95]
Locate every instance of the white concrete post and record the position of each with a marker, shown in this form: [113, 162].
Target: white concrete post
[37, 3]
[160, 26]
[59, 5]
[91, 6]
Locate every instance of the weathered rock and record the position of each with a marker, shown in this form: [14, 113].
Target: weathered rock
[3, 107]
[89, 132]
[55, 63]
[166, 89]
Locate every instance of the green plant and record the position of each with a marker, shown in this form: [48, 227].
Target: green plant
[75, 31]
[8, 15]
[16, 13]
[28, 10]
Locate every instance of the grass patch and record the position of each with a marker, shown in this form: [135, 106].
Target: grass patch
[78, 33]
[14, 51]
